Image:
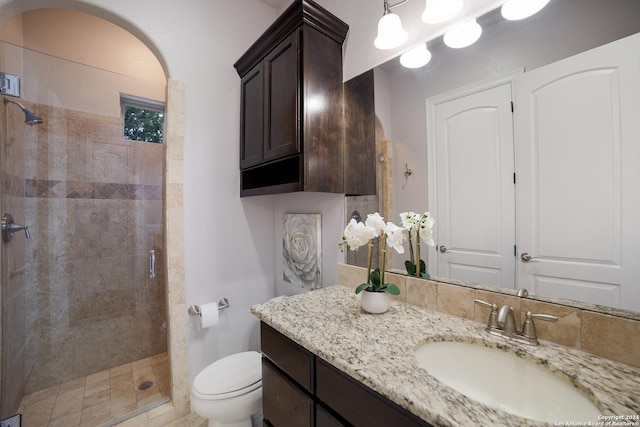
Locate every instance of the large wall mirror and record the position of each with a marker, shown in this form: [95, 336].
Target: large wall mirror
[506, 52]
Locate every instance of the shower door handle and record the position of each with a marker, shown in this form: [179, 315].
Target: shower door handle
[152, 264]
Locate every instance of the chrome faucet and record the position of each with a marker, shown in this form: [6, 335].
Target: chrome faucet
[503, 324]
[507, 321]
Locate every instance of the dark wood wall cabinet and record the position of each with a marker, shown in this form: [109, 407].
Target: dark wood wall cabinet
[292, 127]
[302, 390]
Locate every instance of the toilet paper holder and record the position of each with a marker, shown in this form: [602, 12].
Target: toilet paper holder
[194, 310]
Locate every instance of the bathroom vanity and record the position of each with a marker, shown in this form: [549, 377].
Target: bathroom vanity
[300, 389]
[327, 363]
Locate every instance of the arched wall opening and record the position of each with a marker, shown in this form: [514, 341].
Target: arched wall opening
[170, 195]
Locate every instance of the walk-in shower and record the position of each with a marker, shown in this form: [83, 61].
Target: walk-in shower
[30, 118]
[81, 316]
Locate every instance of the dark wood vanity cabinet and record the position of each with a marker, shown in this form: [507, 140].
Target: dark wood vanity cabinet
[302, 390]
[292, 124]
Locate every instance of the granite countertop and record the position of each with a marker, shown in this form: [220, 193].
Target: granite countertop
[378, 351]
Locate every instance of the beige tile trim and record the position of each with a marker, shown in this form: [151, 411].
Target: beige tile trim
[174, 220]
[179, 406]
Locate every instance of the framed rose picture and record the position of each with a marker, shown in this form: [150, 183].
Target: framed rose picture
[301, 249]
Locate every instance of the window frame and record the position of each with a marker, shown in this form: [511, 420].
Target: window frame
[127, 100]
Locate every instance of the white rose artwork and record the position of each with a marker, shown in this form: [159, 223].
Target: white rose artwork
[301, 249]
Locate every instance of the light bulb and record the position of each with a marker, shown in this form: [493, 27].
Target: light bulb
[417, 57]
[390, 32]
[437, 11]
[514, 10]
[463, 35]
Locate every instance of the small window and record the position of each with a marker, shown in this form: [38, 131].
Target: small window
[143, 119]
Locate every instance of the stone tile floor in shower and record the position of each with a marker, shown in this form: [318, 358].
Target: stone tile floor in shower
[98, 398]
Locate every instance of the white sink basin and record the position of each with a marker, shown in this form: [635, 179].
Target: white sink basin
[504, 381]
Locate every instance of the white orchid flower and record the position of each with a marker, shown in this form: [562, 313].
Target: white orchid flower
[426, 227]
[410, 221]
[395, 237]
[356, 234]
[376, 223]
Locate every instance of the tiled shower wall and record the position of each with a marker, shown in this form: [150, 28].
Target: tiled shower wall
[94, 205]
[13, 260]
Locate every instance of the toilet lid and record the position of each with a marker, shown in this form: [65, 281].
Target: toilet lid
[230, 375]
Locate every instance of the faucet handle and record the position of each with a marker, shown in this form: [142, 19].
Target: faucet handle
[529, 328]
[485, 304]
[492, 324]
[545, 317]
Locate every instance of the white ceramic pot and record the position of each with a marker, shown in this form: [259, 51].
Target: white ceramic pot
[375, 302]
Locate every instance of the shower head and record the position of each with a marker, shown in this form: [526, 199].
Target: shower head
[29, 118]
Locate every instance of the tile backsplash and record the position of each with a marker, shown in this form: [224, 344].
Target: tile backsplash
[605, 335]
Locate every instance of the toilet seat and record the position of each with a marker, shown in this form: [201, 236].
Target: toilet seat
[229, 377]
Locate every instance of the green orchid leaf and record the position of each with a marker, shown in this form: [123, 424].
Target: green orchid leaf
[375, 277]
[392, 289]
[410, 267]
[362, 287]
[423, 267]
[425, 275]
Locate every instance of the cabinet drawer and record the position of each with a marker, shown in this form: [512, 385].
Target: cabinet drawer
[325, 419]
[283, 404]
[290, 357]
[358, 404]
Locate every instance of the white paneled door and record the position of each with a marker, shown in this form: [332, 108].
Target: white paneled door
[472, 139]
[578, 176]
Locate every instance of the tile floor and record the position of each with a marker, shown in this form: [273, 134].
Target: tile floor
[98, 398]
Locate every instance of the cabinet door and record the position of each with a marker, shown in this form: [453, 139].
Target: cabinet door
[283, 403]
[282, 99]
[251, 119]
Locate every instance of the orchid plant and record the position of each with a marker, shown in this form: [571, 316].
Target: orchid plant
[420, 228]
[358, 234]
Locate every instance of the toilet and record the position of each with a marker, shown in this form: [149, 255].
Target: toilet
[229, 391]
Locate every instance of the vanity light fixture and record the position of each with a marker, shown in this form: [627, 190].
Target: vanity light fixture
[463, 35]
[416, 57]
[437, 11]
[390, 31]
[514, 10]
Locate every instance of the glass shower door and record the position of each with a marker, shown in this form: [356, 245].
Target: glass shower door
[79, 300]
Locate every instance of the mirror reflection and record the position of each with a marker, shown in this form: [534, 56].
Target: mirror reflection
[561, 229]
